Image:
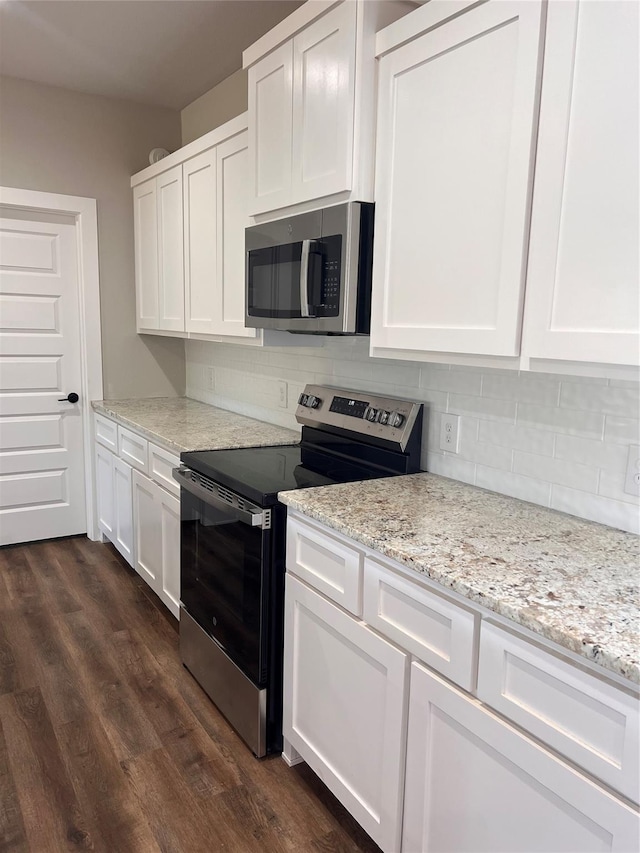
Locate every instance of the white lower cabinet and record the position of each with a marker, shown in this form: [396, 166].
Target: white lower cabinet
[156, 515]
[123, 532]
[140, 514]
[475, 783]
[105, 497]
[113, 500]
[481, 763]
[345, 704]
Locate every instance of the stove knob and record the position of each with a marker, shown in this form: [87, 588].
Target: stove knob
[383, 416]
[396, 419]
[371, 414]
[313, 402]
[302, 400]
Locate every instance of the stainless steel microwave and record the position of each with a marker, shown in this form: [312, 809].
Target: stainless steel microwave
[311, 273]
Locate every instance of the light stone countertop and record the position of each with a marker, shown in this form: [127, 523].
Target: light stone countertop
[179, 424]
[572, 581]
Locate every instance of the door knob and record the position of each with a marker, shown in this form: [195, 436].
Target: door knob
[70, 398]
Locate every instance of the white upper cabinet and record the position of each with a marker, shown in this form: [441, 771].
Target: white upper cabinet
[190, 217]
[232, 219]
[323, 104]
[159, 265]
[457, 110]
[583, 289]
[145, 227]
[170, 251]
[200, 247]
[312, 104]
[271, 130]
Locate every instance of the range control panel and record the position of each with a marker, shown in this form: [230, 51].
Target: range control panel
[356, 411]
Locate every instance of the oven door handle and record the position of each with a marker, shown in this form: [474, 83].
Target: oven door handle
[253, 519]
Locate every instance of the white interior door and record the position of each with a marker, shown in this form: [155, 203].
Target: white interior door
[42, 487]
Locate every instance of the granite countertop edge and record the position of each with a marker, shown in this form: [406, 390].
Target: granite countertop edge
[102, 408]
[459, 583]
[262, 432]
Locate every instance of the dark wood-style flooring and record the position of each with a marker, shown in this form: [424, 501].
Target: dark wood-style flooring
[108, 744]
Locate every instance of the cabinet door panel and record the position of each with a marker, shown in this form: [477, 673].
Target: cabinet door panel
[170, 251]
[233, 163]
[474, 783]
[105, 501]
[323, 104]
[344, 708]
[148, 531]
[456, 115]
[583, 299]
[145, 228]
[200, 248]
[169, 509]
[270, 123]
[123, 539]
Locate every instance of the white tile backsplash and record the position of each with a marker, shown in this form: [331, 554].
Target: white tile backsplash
[553, 440]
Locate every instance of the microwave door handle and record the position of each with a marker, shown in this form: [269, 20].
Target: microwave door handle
[305, 310]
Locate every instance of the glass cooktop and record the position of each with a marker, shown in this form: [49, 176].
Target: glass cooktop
[259, 473]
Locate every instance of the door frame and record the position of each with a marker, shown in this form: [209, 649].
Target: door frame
[84, 211]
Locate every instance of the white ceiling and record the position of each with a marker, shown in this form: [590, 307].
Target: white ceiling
[165, 52]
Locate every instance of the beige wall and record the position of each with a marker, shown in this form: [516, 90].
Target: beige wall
[222, 103]
[54, 140]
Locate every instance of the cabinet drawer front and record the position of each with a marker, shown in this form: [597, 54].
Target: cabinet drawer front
[133, 449]
[161, 463]
[590, 721]
[106, 432]
[433, 629]
[325, 563]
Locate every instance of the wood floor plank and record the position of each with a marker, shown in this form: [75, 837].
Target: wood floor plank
[42, 557]
[12, 833]
[125, 722]
[52, 817]
[103, 790]
[204, 767]
[8, 669]
[111, 745]
[20, 582]
[183, 827]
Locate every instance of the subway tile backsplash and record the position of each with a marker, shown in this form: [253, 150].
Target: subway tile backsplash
[554, 440]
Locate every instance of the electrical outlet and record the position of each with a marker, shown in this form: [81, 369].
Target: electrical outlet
[449, 433]
[211, 379]
[632, 480]
[282, 394]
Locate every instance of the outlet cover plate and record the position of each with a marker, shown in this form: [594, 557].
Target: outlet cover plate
[449, 429]
[632, 480]
[283, 394]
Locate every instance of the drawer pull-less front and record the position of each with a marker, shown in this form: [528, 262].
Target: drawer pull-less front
[133, 449]
[326, 563]
[591, 721]
[435, 630]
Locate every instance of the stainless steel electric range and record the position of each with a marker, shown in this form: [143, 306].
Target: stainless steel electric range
[233, 542]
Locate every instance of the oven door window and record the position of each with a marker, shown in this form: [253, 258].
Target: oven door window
[273, 277]
[221, 580]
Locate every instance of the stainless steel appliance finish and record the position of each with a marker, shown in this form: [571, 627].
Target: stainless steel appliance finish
[233, 542]
[387, 419]
[311, 273]
[235, 695]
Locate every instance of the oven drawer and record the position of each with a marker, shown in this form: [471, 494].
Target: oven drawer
[437, 631]
[326, 563]
[133, 449]
[588, 719]
[105, 432]
[161, 463]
